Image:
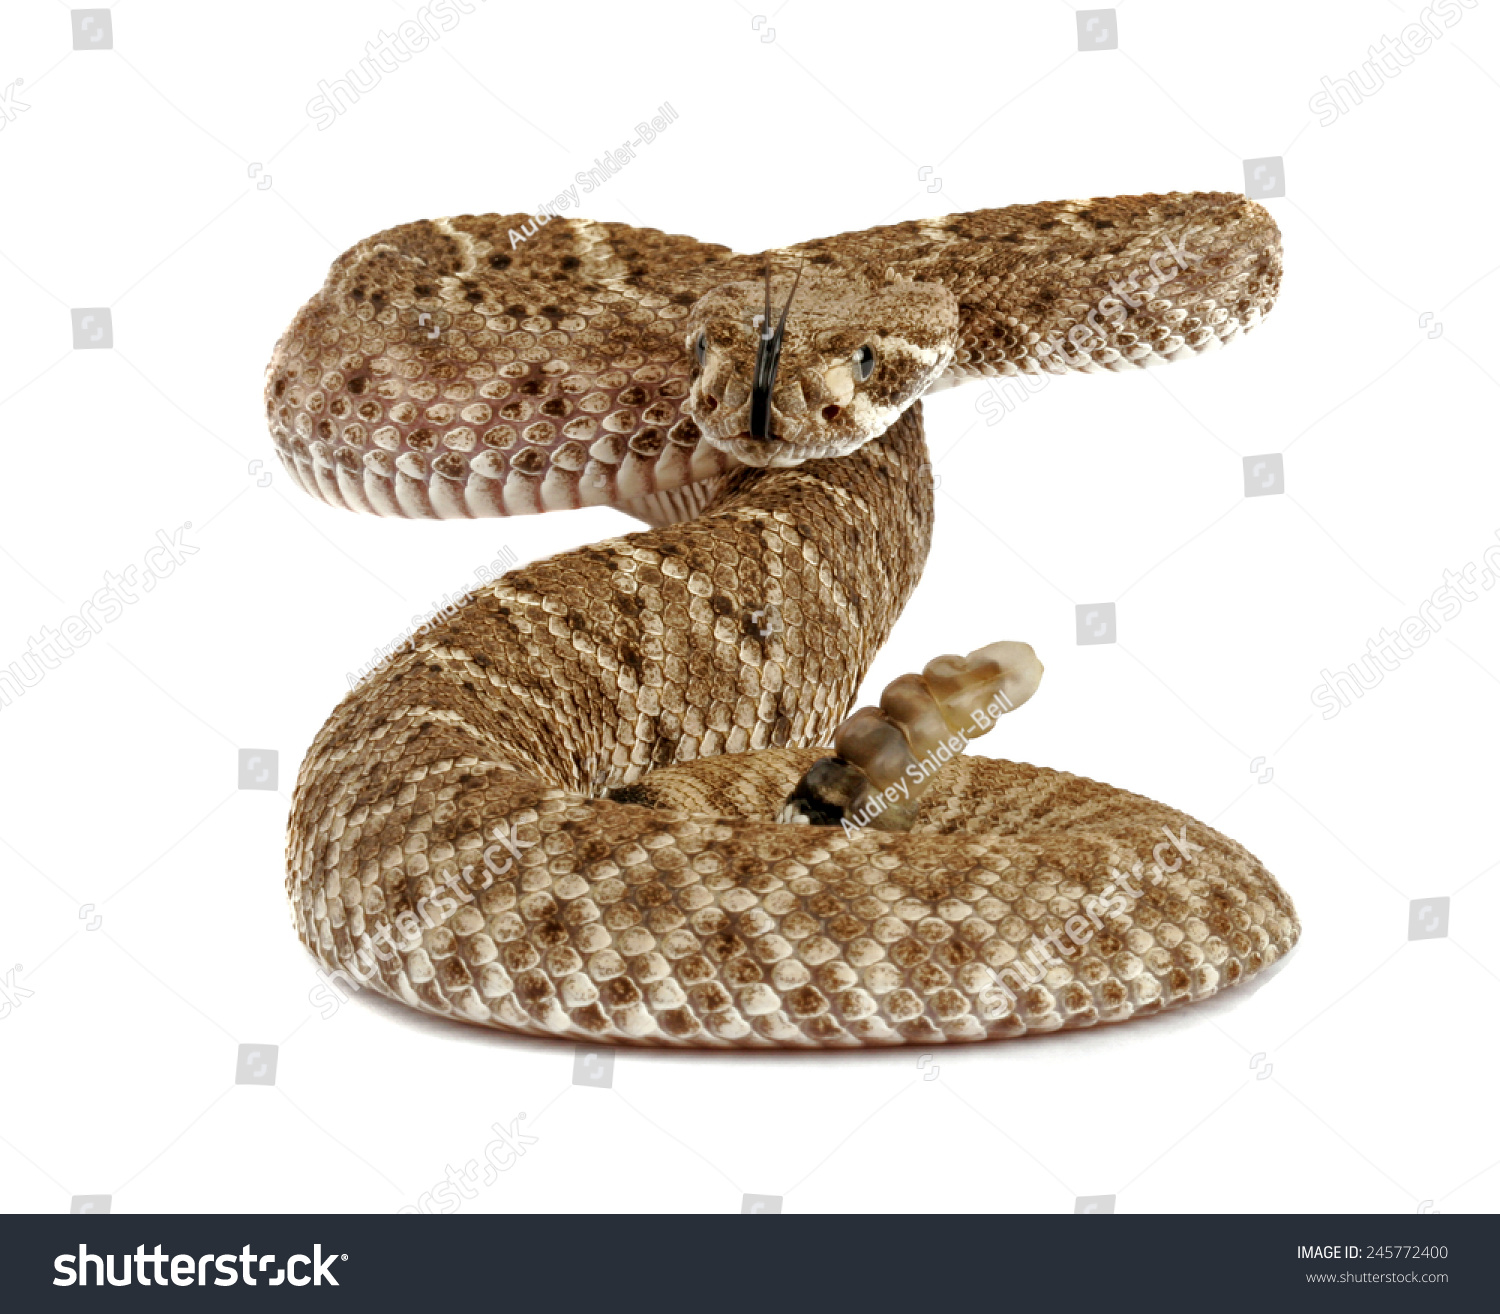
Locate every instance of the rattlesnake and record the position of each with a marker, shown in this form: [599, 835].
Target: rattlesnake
[554, 811]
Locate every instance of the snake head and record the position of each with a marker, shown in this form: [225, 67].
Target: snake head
[832, 368]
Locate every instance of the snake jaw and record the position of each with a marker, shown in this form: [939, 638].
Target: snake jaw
[778, 456]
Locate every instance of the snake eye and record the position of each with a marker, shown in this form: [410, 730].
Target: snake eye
[700, 348]
[864, 363]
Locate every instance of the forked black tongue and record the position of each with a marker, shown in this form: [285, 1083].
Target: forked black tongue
[767, 360]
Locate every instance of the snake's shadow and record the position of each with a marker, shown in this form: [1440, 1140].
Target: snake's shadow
[1203, 1013]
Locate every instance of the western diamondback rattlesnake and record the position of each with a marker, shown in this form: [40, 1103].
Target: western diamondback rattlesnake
[555, 811]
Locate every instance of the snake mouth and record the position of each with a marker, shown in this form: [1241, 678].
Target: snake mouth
[769, 453]
[780, 451]
[747, 449]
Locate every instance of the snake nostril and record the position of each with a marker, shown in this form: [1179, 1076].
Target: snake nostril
[831, 412]
[710, 402]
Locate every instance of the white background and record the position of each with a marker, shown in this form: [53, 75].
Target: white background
[126, 184]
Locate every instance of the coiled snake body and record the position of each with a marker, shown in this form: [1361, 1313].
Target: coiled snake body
[554, 812]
